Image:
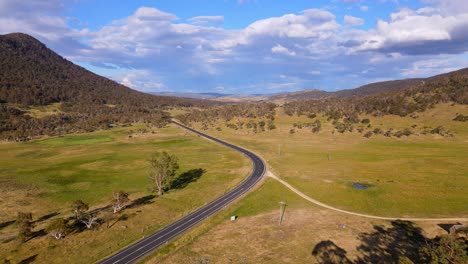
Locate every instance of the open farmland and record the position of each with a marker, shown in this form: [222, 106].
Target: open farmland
[44, 176]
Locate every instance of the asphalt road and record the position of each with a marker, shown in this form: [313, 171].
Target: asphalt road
[144, 246]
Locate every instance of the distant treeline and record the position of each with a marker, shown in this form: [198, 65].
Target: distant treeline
[228, 112]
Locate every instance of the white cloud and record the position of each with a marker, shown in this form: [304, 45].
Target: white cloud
[364, 8]
[418, 32]
[353, 21]
[207, 20]
[282, 50]
[154, 50]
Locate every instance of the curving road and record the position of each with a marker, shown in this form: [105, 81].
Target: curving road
[144, 246]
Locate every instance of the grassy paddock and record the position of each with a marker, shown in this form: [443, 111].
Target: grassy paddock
[44, 177]
[305, 225]
[419, 176]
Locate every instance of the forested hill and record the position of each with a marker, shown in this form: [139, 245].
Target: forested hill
[33, 76]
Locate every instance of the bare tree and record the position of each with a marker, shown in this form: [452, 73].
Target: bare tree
[57, 228]
[162, 171]
[89, 220]
[79, 208]
[119, 199]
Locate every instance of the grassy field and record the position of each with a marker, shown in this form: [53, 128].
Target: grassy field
[418, 176]
[45, 176]
[304, 228]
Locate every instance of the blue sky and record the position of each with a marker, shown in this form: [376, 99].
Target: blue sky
[249, 46]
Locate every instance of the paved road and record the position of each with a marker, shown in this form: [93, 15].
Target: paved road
[144, 246]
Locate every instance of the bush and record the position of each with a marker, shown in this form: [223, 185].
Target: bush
[461, 118]
[368, 134]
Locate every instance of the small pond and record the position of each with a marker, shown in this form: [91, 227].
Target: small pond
[360, 186]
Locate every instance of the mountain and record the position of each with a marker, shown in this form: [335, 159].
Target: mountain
[32, 75]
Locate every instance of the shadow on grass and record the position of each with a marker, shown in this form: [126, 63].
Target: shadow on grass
[6, 223]
[46, 217]
[402, 242]
[36, 234]
[30, 259]
[187, 177]
[328, 252]
[148, 199]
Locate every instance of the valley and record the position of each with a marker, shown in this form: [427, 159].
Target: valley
[89, 166]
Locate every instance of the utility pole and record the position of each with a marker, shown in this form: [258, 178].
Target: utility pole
[282, 208]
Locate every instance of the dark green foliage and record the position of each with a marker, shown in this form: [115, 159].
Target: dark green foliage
[229, 112]
[25, 225]
[271, 125]
[446, 250]
[377, 131]
[365, 121]
[403, 242]
[368, 134]
[317, 126]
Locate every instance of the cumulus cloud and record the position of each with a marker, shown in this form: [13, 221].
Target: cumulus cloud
[151, 50]
[353, 21]
[422, 31]
[282, 50]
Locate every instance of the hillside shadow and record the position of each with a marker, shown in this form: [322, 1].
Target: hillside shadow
[398, 243]
[186, 178]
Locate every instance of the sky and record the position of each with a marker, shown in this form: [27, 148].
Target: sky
[248, 46]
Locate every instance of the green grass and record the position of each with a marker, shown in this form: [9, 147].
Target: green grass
[266, 198]
[45, 176]
[419, 176]
[76, 140]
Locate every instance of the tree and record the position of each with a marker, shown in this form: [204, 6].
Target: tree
[119, 199]
[79, 208]
[89, 220]
[57, 228]
[108, 218]
[446, 249]
[162, 170]
[25, 225]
